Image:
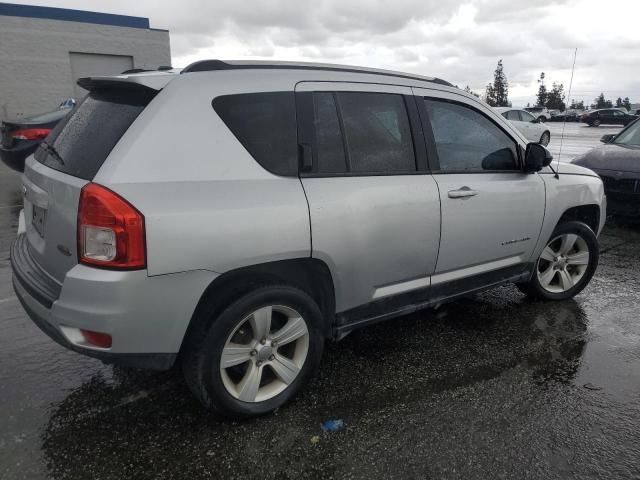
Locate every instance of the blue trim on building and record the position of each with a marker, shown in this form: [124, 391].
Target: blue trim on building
[68, 15]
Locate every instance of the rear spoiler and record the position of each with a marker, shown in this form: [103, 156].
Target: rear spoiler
[154, 81]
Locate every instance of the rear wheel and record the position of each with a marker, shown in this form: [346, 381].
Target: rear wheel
[545, 138]
[566, 264]
[257, 354]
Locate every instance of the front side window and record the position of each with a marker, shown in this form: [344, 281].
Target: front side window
[466, 140]
[265, 124]
[361, 132]
[526, 116]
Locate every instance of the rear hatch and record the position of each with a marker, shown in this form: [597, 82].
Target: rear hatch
[67, 160]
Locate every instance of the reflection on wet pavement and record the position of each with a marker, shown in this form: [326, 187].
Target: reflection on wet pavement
[494, 386]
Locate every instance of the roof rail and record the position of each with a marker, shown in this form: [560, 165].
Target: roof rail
[161, 68]
[212, 65]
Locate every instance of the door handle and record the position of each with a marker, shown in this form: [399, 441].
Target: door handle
[463, 192]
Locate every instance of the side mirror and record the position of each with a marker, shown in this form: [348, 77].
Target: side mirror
[608, 138]
[536, 157]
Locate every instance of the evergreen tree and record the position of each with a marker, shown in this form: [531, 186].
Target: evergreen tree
[577, 105]
[626, 103]
[541, 97]
[619, 103]
[555, 98]
[490, 96]
[601, 102]
[500, 86]
[468, 90]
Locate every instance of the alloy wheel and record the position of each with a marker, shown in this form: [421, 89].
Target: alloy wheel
[264, 354]
[563, 263]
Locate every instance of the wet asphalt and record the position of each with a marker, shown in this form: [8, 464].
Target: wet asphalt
[494, 386]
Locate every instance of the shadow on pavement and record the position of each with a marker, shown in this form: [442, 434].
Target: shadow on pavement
[146, 425]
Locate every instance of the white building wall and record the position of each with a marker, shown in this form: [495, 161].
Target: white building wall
[35, 68]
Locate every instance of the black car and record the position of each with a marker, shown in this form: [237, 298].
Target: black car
[566, 116]
[20, 138]
[618, 164]
[607, 116]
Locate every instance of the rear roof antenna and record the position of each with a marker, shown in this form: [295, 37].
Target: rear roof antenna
[575, 54]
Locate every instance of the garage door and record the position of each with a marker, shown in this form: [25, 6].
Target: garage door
[88, 64]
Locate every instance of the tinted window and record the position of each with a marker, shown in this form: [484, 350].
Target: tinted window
[466, 140]
[85, 138]
[512, 115]
[377, 132]
[330, 157]
[265, 124]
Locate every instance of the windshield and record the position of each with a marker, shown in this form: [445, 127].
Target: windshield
[629, 136]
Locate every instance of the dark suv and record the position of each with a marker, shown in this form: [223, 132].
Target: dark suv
[608, 116]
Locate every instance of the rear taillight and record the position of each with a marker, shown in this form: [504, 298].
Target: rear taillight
[31, 134]
[110, 230]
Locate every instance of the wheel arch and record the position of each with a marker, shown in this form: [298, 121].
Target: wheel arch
[588, 214]
[308, 274]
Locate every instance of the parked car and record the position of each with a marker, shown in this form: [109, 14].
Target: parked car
[527, 124]
[20, 138]
[541, 113]
[618, 164]
[318, 199]
[566, 116]
[607, 116]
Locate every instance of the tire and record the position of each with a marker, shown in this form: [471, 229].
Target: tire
[545, 138]
[221, 389]
[555, 276]
[595, 123]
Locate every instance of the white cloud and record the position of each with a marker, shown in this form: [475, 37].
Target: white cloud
[458, 41]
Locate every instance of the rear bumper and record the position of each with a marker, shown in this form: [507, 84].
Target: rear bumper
[146, 317]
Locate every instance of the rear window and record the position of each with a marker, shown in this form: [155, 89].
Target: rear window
[84, 139]
[265, 124]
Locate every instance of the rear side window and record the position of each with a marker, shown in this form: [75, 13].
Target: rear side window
[466, 140]
[84, 139]
[372, 129]
[511, 115]
[265, 124]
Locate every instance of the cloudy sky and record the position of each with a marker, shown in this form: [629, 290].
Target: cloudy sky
[459, 41]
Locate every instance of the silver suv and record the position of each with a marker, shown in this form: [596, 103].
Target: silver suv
[233, 216]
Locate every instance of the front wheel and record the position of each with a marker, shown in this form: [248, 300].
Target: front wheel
[258, 353]
[566, 264]
[596, 123]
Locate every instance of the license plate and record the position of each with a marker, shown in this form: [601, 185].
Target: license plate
[38, 219]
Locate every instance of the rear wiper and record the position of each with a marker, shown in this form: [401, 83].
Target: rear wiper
[51, 151]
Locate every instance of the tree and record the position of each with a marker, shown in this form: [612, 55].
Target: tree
[577, 105]
[468, 90]
[500, 86]
[541, 97]
[601, 102]
[619, 102]
[490, 96]
[555, 98]
[626, 103]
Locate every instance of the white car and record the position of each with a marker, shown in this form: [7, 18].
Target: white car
[527, 124]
